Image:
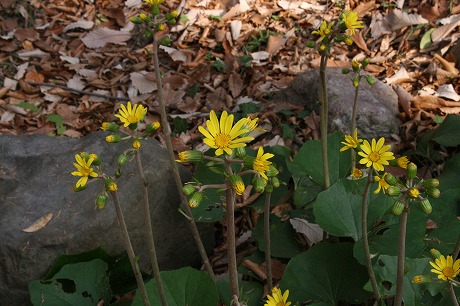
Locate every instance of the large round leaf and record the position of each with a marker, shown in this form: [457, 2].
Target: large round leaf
[326, 273]
[186, 286]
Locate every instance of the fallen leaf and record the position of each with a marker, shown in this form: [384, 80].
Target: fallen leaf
[81, 24]
[142, 83]
[404, 99]
[275, 43]
[235, 28]
[312, 231]
[235, 84]
[400, 76]
[399, 19]
[99, 37]
[448, 91]
[39, 224]
[175, 54]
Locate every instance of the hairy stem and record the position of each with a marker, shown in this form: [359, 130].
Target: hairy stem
[353, 126]
[268, 261]
[149, 230]
[324, 109]
[167, 134]
[401, 255]
[367, 252]
[129, 249]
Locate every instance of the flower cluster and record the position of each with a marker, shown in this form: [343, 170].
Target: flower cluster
[229, 139]
[444, 267]
[340, 31]
[358, 68]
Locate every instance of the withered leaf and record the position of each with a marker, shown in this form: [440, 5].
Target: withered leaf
[39, 224]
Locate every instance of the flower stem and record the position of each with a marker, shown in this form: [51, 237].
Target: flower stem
[167, 134]
[367, 252]
[231, 235]
[401, 255]
[149, 231]
[452, 295]
[323, 112]
[456, 249]
[129, 249]
[353, 126]
[268, 262]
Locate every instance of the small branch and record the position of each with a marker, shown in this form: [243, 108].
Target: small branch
[129, 249]
[82, 92]
[401, 255]
[353, 126]
[367, 252]
[324, 109]
[268, 258]
[149, 230]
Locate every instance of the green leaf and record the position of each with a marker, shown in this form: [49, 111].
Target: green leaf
[307, 168]
[79, 284]
[180, 125]
[385, 272]
[444, 134]
[186, 286]
[32, 107]
[338, 209]
[326, 273]
[248, 108]
[58, 121]
[282, 236]
[426, 41]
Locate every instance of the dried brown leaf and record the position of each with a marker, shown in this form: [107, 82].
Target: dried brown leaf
[235, 84]
[404, 99]
[431, 102]
[275, 44]
[398, 19]
[99, 37]
[39, 224]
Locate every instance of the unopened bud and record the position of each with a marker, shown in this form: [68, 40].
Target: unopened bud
[190, 156]
[259, 184]
[152, 127]
[118, 173]
[112, 138]
[240, 152]
[111, 185]
[110, 126]
[345, 71]
[435, 253]
[310, 44]
[100, 200]
[249, 162]
[422, 279]
[393, 191]
[391, 179]
[411, 171]
[272, 171]
[79, 188]
[144, 17]
[365, 62]
[269, 188]
[433, 193]
[370, 80]
[431, 183]
[275, 182]
[237, 184]
[136, 20]
[196, 199]
[188, 189]
[397, 208]
[122, 160]
[426, 206]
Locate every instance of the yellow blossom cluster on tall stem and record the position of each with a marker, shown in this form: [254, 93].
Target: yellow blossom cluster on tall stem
[229, 140]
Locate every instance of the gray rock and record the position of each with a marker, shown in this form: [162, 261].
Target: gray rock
[377, 104]
[35, 180]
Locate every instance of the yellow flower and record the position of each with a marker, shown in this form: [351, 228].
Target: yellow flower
[261, 163]
[350, 19]
[190, 156]
[446, 268]
[402, 162]
[223, 135]
[83, 169]
[154, 2]
[375, 154]
[131, 114]
[251, 125]
[348, 41]
[113, 186]
[136, 144]
[356, 173]
[324, 29]
[277, 298]
[351, 141]
[383, 185]
[413, 193]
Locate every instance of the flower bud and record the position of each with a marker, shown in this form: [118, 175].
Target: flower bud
[355, 82]
[411, 171]
[365, 62]
[431, 183]
[240, 152]
[145, 17]
[391, 179]
[190, 156]
[110, 126]
[100, 200]
[348, 41]
[249, 162]
[165, 41]
[393, 191]
[161, 27]
[397, 208]
[188, 189]
[195, 200]
[113, 138]
[269, 188]
[136, 144]
[118, 173]
[370, 80]
[148, 33]
[152, 127]
[96, 160]
[345, 71]
[237, 184]
[155, 10]
[259, 184]
[435, 253]
[111, 185]
[355, 65]
[310, 44]
[433, 193]
[122, 160]
[272, 171]
[322, 47]
[275, 182]
[426, 206]
[171, 21]
[422, 279]
[135, 19]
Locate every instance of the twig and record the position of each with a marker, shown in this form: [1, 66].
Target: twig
[268, 259]
[324, 109]
[82, 92]
[401, 255]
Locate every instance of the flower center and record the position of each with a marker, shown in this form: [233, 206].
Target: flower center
[448, 272]
[374, 156]
[132, 119]
[414, 193]
[86, 171]
[222, 141]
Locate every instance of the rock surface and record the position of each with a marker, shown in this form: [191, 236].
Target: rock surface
[35, 180]
[377, 104]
